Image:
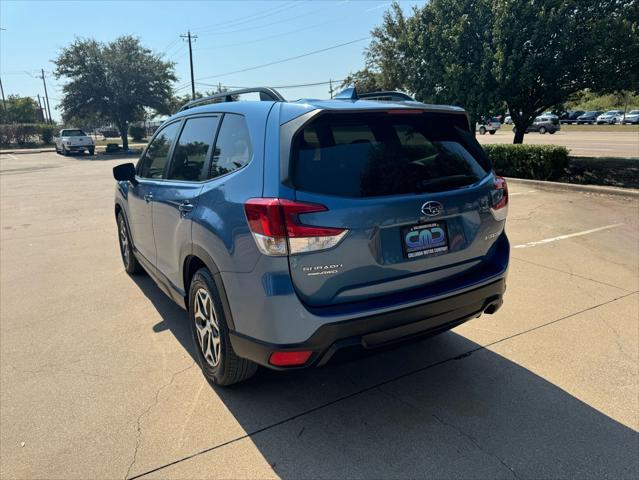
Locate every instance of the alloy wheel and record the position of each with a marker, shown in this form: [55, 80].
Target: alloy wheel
[207, 327]
[124, 243]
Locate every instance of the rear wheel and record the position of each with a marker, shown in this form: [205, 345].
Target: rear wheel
[218, 361]
[482, 130]
[492, 132]
[91, 151]
[131, 264]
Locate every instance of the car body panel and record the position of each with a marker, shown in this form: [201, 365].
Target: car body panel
[269, 298]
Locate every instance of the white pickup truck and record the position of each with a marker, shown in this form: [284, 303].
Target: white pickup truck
[73, 140]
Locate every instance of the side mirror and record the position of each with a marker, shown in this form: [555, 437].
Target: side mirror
[125, 173]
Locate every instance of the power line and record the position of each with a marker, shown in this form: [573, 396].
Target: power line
[250, 18]
[268, 37]
[314, 52]
[265, 25]
[298, 85]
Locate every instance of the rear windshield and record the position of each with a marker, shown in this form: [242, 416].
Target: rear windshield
[367, 155]
[73, 133]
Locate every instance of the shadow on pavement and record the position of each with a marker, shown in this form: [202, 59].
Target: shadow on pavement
[442, 407]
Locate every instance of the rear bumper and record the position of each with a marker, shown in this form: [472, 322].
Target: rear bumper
[382, 329]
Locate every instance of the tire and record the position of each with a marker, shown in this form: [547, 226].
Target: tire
[131, 264]
[492, 132]
[514, 129]
[219, 362]
[542, 130]
[482, 130]
[91, 151]
[64, 151]
[552, 132]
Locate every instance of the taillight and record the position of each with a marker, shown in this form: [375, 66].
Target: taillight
[277, 229]
[499, 208]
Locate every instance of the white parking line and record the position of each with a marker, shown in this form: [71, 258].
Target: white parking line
[563, 237]
[9, 155]
[522, 193]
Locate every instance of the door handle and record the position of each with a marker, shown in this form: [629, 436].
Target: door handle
[148, 197]
[185, 207]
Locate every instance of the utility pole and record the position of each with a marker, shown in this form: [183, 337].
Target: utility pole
[4, 102]
[46, 96]
[42, 112]
[330, 88]
[191, 37]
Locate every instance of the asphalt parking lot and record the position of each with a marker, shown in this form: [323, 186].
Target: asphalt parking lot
[98, 378]
[614, 143]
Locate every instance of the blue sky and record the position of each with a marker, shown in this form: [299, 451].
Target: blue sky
[232, 35]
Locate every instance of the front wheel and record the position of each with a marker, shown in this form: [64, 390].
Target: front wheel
[482, 130]
[218, 361]
[542, 130]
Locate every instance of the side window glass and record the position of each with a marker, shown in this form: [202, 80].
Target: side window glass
[157, 152]
[233, 148]
[190, 151]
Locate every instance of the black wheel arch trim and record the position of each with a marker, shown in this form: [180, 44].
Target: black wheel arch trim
[197, 251]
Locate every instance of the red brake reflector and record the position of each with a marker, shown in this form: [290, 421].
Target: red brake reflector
[289, 359]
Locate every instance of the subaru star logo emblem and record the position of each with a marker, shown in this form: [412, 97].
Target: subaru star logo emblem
[432, 208]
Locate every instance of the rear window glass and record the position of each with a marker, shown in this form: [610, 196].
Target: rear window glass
[73, 133]
[366, 155]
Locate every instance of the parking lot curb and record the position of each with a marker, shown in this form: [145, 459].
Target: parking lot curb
[26, 151]
[603, 190]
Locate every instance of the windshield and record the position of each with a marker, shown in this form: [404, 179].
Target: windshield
[633, 112]
[374, 154]
[73, 133]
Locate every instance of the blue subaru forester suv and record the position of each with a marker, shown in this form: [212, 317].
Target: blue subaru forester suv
[290, 230]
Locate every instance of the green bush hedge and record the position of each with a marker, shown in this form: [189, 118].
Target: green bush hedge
[26, 134]
[137, 132]
[539, 162]
[47, 132]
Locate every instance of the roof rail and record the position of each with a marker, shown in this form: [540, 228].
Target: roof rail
[387, 95]
[267, 94]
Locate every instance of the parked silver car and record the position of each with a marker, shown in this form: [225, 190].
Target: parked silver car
[610, 117]
[631, 117]
[490, 125]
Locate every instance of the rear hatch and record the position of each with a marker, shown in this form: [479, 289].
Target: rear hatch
[412, 192]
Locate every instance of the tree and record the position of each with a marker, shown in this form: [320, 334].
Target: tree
[530, 54]
[545, 51]
[366, 80]
[20, 110]
[114, 81]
